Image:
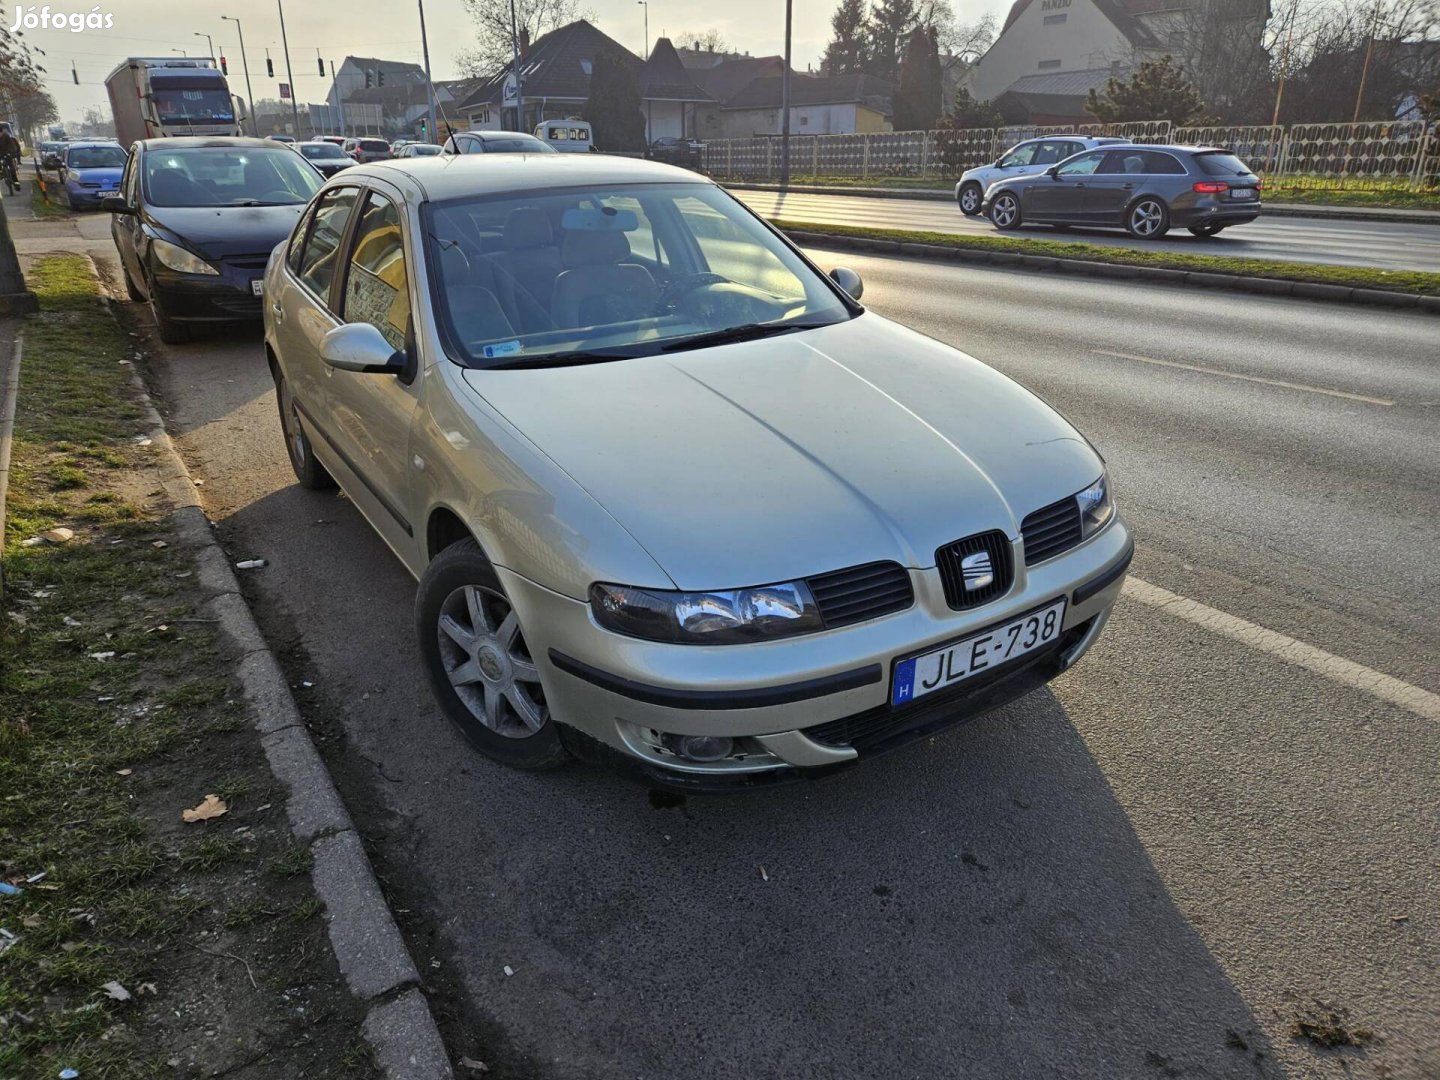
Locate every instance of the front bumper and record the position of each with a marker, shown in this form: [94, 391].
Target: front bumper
[81, 198]
[199, 298]
[804, 705]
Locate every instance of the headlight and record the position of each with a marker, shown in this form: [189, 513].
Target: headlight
[1096, 507]
[722, 617]
[177, 258]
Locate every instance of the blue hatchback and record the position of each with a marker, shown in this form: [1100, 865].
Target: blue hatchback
[90, 172]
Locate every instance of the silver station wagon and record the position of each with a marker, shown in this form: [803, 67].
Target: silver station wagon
[672, 495]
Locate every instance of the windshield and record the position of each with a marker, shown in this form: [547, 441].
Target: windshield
[221, 176]
[575, 275]
[96, 157]
[179, 107]
[321, 150]
[1222, 165]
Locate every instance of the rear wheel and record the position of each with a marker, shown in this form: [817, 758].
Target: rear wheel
[480, 669]
[1208, 229]
[1005, 211]
[308, 470]
[970, 198]
[1147, 219]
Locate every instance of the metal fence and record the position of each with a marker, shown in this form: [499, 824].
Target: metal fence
[1373, 156]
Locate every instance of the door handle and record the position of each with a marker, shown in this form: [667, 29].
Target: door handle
[1129, 187]
[1079, 184]
[277, 311]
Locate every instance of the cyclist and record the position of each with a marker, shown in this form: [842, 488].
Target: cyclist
[9, 158]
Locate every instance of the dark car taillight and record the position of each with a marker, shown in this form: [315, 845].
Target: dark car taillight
[1210, 187]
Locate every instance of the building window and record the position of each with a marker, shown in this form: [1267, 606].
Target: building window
[1177, 40]
[1054, 20]
[585, 66]
[804, 121]
[1049, 65]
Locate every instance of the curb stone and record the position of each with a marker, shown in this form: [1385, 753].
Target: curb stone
[1196, 279]
[363, 934]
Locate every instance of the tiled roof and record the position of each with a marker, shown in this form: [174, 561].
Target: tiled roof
[555, 67]
[1062, 82]
[727, 78]
[664, 78]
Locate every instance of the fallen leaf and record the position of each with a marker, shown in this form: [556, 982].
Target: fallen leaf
[123, 772]
[471, 1063]
[58, 535]
[212, 807]
[146, 988]
[102, 655]
[159, 544]
[32, 921]
[68, 621]
[115, 990]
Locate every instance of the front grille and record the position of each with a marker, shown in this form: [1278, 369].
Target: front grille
[248, 262]
[955, 576]
[245, 306]
[1050, 530]
[886, 726]
[861, 592]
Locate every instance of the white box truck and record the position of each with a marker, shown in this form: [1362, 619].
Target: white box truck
[159, 97]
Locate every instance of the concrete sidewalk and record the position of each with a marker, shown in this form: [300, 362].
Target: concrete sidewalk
[1325, 213]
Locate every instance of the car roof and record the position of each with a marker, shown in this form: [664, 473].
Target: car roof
[206, 142]
[453, 175]
[87, 143]
[1184, 148]
[496, 134]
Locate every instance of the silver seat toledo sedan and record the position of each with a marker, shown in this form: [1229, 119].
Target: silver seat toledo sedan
[672, 495]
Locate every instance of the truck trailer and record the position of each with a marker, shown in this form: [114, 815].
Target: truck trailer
[163, 97]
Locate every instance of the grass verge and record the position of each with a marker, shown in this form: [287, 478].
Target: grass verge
[45, 211]
[138, 945]
[1359, 277]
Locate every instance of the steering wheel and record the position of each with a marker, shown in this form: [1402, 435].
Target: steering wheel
[683, 286]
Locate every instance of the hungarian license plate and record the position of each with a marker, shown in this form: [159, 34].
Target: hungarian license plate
[951, 664]
[257, 287]
[108, 194]
[1242, 193]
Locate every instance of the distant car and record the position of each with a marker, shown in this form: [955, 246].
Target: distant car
[495, 142]
[280, 138]
[325, 156]
[399, 144]
[48, 155]
[1143, 189]
[367, 150]
[673, 151]
[419, 149]
[196, 220]
[567, 136]
[338, 140]
[1023, 159]
[90, 172]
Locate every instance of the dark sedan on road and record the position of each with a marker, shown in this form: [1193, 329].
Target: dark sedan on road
[673, 151]
[1142, 189]
[196, 220]
[325, 156]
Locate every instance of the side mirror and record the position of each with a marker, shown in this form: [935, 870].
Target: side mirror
[1053, 172]
[361, 348]
[848, 280]
[116, 204]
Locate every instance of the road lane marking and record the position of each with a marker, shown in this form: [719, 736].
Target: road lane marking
[1336, 668]
[1247, 378]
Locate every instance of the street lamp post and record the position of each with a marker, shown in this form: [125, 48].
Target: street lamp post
[249, 94]
[429, 83]
[515, 70]
[285, 43]
[646, 5]
[208, 42]
[785, 104]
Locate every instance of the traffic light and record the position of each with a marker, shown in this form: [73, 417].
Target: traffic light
[423, 129]
[269, 67]
[321, 65]
[380, 77]
[224, 65]
[369, 78]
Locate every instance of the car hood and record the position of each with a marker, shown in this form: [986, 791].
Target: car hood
[96, 176]
[784, 457]
[218, 232]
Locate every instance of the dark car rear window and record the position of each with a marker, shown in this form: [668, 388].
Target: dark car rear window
[373, 145]
[1222, 165]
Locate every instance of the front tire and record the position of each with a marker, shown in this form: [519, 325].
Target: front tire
[307, 467]
[170, 331]
[1148, 218]
[131, 289]
[480, 669]
[1005, 211]
[970, 198]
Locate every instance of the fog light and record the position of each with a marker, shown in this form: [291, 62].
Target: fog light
[704, 747]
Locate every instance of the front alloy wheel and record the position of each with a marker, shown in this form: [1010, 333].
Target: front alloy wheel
[970, 199]
[480, 668]
[1148, 219]
[1005, 211]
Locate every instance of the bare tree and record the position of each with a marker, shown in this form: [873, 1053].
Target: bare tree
[1224, 49]
[711, 40]
[493, 40]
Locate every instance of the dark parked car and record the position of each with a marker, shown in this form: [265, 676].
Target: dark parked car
[673, 151]
[1142, 189]
[196, 220]
[325, 156]
[367, 150]
[495, 142]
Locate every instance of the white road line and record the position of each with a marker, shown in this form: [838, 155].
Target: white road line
[1247, 378]
[1336, 668]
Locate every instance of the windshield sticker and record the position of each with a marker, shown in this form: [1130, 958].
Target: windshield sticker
[505, 348]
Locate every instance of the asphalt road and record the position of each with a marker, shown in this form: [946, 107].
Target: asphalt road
[1387, 245]
[1154, 868]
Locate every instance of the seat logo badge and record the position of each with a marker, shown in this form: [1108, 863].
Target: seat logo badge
[978, 570]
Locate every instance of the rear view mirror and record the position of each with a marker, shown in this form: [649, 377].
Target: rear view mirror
[361, 348]
[848, 280]
[116, 204]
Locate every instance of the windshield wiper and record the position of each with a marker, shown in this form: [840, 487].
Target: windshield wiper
[743, 332]
[560, 359]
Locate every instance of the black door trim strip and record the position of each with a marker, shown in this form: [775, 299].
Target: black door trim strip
[386, 503]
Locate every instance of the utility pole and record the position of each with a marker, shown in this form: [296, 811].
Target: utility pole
[515, 70]
[785, 103]
[429, 83]
[1284, 63]
[249, 94]
[646, 5]
[339, 101]
[294, 101]
[1365, 68]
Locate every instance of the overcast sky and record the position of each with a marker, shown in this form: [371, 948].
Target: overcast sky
[389, 29]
